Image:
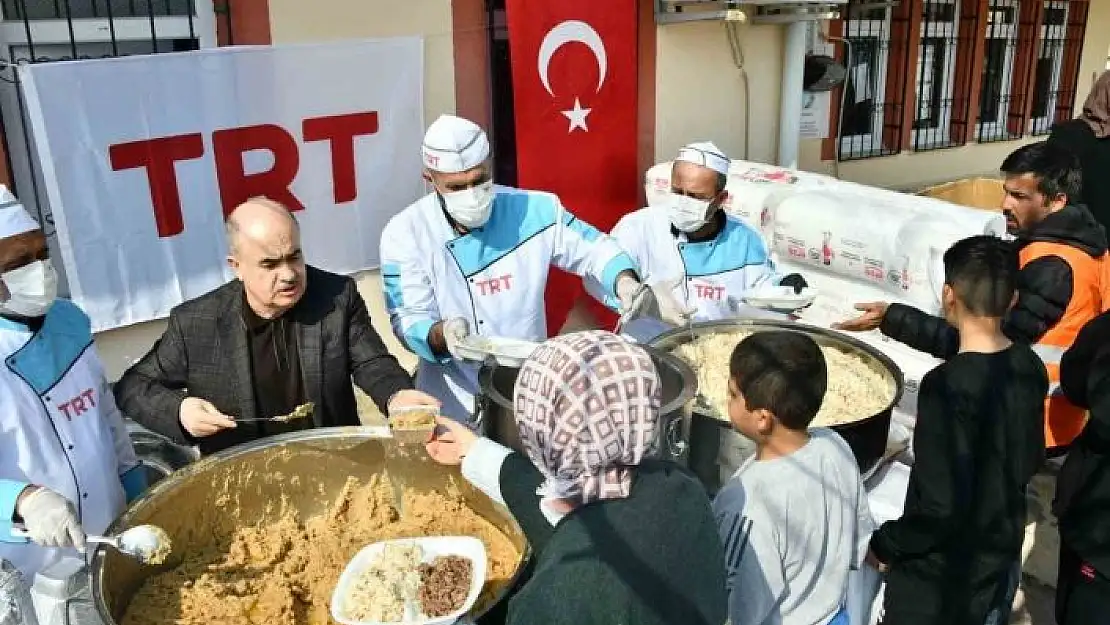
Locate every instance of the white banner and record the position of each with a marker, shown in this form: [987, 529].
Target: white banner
[140, 154]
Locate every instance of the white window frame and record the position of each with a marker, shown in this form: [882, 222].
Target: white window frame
[948, 31]
[1056, 54]
[858, 146]
[1008, 34]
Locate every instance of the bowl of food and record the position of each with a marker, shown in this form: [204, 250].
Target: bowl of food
[421, 581]
[263, 531]
[413, 425]
[864, 386]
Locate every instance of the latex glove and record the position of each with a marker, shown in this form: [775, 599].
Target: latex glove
[201, 419]
[455, 330]
[636, 299]
[51, 520]
[671, 310]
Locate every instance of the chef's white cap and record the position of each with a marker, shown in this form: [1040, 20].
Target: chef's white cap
[453, 144]
[705, 154]
[14, 219]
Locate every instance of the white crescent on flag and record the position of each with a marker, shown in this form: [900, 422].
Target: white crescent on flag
[562, 34]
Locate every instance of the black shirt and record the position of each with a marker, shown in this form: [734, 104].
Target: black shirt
[979, 440]
[275, 370]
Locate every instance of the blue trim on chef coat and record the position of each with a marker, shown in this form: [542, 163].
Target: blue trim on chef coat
[391, 283]
[65, 335]
[417, 339]
[737, 246]
[516, 217]
[416, 336]
[620, 262]
[9, 494]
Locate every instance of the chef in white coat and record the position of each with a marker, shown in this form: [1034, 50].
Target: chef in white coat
[701, 260]
[471, 257]
[67, 466]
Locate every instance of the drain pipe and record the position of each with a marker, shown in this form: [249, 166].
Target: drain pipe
[790, 107]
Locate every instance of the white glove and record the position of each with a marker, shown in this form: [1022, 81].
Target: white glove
[51, 520]
[671, 310]
[455, 330]
[636, 300]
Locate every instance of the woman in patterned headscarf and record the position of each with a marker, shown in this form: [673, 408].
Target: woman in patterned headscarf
[1088, 136]
[619, 536]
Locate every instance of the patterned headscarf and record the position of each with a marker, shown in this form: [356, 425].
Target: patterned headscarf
[1096, 110]
[587, 406]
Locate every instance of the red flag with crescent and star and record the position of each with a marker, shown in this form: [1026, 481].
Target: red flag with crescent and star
[574, 71]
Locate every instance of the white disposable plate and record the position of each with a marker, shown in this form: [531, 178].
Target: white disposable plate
[507, 352]
[781, 298]
[433, 547]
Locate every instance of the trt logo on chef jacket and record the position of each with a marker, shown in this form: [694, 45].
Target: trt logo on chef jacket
[495, 285]
[79, 405]
[709, 291]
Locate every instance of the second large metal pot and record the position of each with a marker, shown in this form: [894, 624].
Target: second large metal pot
[716, 450]
[495, 404]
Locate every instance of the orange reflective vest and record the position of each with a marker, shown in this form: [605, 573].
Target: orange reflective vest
[1090, 297]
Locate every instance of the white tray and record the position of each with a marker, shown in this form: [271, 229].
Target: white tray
[506, 351]
[781, 298]
[433, 547]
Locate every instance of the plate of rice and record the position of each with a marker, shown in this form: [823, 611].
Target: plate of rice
[415, 581]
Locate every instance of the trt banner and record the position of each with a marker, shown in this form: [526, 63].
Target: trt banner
[574, 67]
[143, 156]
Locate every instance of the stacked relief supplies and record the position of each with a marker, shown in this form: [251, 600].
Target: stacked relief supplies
[852, 242]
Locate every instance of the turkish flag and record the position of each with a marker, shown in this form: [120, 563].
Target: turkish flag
[574, 69]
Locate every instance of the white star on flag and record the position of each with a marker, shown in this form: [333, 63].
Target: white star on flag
[577, 117]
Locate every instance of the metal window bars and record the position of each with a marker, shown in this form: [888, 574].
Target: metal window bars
[1063, 25]
[942, 110]
[1048, 66]
[866, 128]
[999, 87]
[43, 31]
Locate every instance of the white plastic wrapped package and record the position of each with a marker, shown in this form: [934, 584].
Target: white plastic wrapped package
[887, 240]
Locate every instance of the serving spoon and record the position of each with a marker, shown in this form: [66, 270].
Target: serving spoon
[303, 411]
[148, 544]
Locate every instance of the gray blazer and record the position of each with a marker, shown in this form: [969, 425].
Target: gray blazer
[205, 353]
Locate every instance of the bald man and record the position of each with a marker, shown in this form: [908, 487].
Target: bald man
[281, 335]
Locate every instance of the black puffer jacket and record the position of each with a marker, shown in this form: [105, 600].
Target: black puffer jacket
[1044, 289]
[1094, 158]
[1083, 486]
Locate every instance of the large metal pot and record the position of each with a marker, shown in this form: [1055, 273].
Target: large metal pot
[716, 450]
[495, 404]
[307, 468]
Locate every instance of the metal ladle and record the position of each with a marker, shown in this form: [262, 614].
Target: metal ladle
[148, 544]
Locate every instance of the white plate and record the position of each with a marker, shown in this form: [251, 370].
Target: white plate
[433, 547]
[507, 352]
[781, 298]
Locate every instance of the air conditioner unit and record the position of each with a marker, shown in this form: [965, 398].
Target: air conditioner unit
[751, 11]
[759, 11]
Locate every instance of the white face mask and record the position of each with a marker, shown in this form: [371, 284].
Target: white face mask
[32, 289]
[688, 214]
[470, 207]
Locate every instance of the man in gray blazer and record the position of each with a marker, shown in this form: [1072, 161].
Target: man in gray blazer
[281, 335]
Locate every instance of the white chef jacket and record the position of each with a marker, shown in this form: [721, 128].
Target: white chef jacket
[493, 276]
[60, 428]
[715, 275]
